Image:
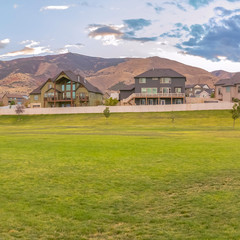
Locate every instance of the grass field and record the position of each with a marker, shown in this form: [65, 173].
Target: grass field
[132, 176]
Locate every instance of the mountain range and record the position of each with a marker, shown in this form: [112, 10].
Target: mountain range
[25, 74]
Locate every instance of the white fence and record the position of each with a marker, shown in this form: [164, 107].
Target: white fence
[142, 108]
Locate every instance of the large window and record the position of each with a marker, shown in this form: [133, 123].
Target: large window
[142, 80]
[178, 90]
[149, 90]
[143, 101]
[63, 87]
[227, 89]
[165, 90]
[68, 87]
[178, 101]
[165, 80]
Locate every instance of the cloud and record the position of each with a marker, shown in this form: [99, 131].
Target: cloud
[222, 12]
[15, 6]
[31, 48]
[115, 34]
[157, 8]
[178, 5]
[201, 3]
[214, 39]
[77, 45]
[137, 24]
[63, 7]
[4, 42]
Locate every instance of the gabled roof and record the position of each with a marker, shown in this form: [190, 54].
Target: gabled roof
[127, 87]
[78, 79]
[74, 78]
[160, 72]
[193, 85]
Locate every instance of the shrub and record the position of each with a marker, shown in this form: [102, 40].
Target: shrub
[111, 102]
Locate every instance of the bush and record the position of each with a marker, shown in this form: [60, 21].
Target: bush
[106, 112]
[111, 102]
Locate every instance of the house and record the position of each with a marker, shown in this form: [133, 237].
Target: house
[11, 98]
[206, 93]
[66, 90]
[228, 89]
[155, 86]
[194, 90]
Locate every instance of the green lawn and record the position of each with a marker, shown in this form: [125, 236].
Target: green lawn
[132, 176]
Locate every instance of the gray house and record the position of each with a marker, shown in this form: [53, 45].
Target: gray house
[154, 87]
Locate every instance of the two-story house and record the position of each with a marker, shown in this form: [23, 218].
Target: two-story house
[155, 86]
[228, 89]
[195, 90]
[66, 90]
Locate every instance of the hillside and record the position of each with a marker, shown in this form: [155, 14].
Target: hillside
[222, 74]
[25, 74]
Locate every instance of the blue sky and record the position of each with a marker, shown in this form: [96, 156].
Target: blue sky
[202, 33]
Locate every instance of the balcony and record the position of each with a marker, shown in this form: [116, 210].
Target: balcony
[158, 95]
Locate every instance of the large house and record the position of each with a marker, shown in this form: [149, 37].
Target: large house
[12, 99]
[155, 86]
[66, 90]
[228, 89]
[198, 90]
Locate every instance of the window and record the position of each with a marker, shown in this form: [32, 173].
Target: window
[227, 89]
[238, 89]
[178, 101]
[68, 87]
[165, 80]
[82, 95]
[63, 88]
[143, 101]
[149, 90]
[68, 95]
[49, 86]
[154, 78]
[35, 97]
[178, 90]
[219, 91]
[143, 90]
[165, 90]
[150, 101]
[73, 87]
[73, 95]
[142, 80]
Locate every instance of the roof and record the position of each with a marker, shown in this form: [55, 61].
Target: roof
[161, 72]
[12, 95]
[193, 85]
[127, 87]
[222, 81]
[79, 79]
[74, 78]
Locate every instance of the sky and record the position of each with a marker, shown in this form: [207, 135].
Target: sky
[200, 33]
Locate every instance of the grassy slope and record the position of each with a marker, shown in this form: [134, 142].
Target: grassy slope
[132, 176]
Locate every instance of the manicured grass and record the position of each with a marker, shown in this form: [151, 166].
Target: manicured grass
[132, 176]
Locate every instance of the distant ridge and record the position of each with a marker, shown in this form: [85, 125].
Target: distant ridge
[222, 74]
[24, 74]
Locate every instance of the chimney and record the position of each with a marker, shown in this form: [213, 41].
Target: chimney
[78, 78]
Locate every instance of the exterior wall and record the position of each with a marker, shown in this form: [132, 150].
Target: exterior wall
[5, 100]
[175, 82]
[217, 90]
[125, 94]
[33, 102]
[227, 96]
[99, 109]
[81, 89]
[95, 99]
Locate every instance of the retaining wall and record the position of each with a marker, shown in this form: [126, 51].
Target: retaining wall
[99, 109]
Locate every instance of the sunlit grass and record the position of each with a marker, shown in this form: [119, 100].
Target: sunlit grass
[132, 176]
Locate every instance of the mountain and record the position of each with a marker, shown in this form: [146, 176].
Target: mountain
[222, 74]
[25, 74]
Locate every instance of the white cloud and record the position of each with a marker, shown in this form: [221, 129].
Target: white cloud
[30, 43]
[4, 42]
[78, 45]
[63, 7]
[15, 6]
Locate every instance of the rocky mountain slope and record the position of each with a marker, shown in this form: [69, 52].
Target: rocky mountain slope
[25, 74]
[222, 74]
